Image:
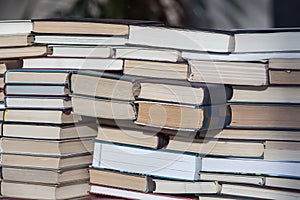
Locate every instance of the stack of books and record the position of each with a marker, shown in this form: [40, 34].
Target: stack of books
[181, 114]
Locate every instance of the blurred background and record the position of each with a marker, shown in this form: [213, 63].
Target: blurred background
[219, 14]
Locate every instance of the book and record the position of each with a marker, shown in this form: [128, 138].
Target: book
[158, 163]
[46, 147]
[29, 190]
[284, 63]
[109, 191]
[222, 197]
[20, 76]
[244, 56]
[22, 52]
[73, 64]
[163, 70]
[42, 176]
[92, 40]
[81, 51]
[182, 92]
[250, 166]
[10, 27]
[49, 132]
[40, 116]
[233, 73]
[217, 147]
[282, 151]
[36, 90]
[133, 137]
[182, 117]
[270, 94]
[284, 77]
[121, 180]
[183, 39]
[254, 135]
[59, 103]
[151, 54]
[185, 187]
[278, 182]
[233, 178]
[258, 192]
[103, 108]
[85, 26]
[266, 116]
[15, 40]
[103, 85]
[46, 162]
[266, 40]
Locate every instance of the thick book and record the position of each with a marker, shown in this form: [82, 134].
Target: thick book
[182, 117]
[58, 103]
[103, 85]
[133, 137]
[46, 162]
[265, 116]
[11, 27]
[183, 39]
[19, 76]
[217, 147]
[103, 108]
[46, 147]
[16, 40]
[282, 151]
[224, 72]
[258, 192]
[49, 132]
[284, 77]
[22, 52]
[40, 116]
[27, 190]
[42, 176]
[159, 163]
[121, 180]
[182, 92]
[128, 194]
[287, 183]
[36, 90]
[73, 64]
[267, 40]
[163, 70]
[85, 26]
[271, 94]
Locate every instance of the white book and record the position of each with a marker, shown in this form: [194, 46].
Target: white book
[9, 27]
[73, 63]
[251, 166]
[146, 161]
[36, 90]
[38, 102]
[79, 40]
[197, 40]
[81, 51]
